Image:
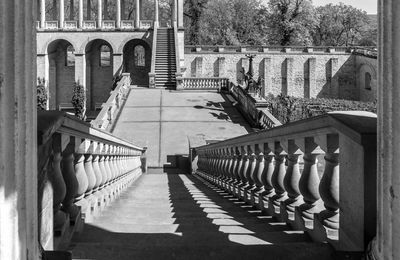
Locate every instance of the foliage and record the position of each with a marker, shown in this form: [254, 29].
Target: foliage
[339, 25]
[291, 22]
[79, 100]
[42, 96]
[193, 11]
[288, 109]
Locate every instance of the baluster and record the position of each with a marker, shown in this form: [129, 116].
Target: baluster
[243, 170]
[92, 180]
[238, 166]
[228, 162]
[81, 148]
[329, 185]
[111, 164]
[278, 176]
[106, 153]
[100, 151]
[269, 167]
[257, 177]
[309, 180]
[57, 183]
[95, 165]
[250, 173]
[71, 182]
[292, 177]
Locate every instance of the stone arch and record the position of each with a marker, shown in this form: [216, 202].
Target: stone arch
[123, 43]
[44, 48]
[367, 94]
[89, 40]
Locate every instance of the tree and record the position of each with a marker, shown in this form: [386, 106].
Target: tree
[339, 25]
[193, 10]
[291, 22]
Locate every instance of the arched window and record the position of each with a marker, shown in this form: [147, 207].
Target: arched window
[70, 57]
[105, 56]
[140, 60]
[367, 81]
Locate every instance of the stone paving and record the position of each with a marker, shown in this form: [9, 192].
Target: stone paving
[175, 216]
[162, 120]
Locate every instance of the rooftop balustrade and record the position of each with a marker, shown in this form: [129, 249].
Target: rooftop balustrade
[82, 169]
[318, 175]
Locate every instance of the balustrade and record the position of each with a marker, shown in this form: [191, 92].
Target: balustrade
[204, 83]
[87, 168]
[278, 171]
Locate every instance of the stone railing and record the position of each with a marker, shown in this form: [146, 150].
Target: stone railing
[203, 83]
[364, 51]
[92, 25]
[146, 24]
[253, 108]
[265, 49]
[318, 175]
[111, 109]
[82, 169]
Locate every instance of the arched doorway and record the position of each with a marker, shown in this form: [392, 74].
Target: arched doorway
[99, 72]
[61, 55]
[137, 61]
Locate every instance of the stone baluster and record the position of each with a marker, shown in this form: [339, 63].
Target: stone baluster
[269, 167]
[81, 148]
[112, 163]
[329, 185]
[237, 167]
[243, 171]
[57, 181]
[249, 174]
[278, 177]
[91, 175]
[292, 177]
[95, 150]
[106, 153]
[71, 182]
[102, 168]
[257, 178]
[123, 161]
[309, 180]
[119, 162]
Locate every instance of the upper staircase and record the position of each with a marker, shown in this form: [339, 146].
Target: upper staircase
[165, 67]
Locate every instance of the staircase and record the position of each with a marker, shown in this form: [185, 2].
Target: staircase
[165, 67]
[177, 216]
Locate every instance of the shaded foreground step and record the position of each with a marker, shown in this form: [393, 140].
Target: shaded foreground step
[176, 216]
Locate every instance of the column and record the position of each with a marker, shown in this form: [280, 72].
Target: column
[61, 16]
[267, 76]
[99, 14]
[156, 15]
[387, 241]
[118, 6]
[80, 18]
[180, 13]
[174, 15]
[71, 10]
[137, 15]
[42, 14]
[18, 145]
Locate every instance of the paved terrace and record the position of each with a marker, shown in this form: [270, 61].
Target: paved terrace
[164, 119]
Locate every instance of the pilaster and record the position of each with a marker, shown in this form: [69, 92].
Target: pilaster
[266, 75]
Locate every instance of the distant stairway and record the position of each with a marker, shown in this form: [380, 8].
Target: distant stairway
[165, 58]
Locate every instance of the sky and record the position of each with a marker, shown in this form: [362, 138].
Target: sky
[370, 6]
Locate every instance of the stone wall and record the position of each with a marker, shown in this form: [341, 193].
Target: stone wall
[301, 72]
[365, 64]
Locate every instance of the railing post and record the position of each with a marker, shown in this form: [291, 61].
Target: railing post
[81, 147]
[278, 177]
[258, 174]
[266, 177]
[292, 178]
[329, 185]
[250, 174]
[242, 171]
[309, 181]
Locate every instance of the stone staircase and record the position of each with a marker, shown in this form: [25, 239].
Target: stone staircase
[165, 67]
[177, 216]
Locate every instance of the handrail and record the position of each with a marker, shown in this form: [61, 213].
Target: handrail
[110, 110]
[178, 74]
[303, 173]
[86, 167]
[152, 74]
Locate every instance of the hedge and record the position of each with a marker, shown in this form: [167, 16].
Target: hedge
[41, 94]
[288, 109]
[79, 100]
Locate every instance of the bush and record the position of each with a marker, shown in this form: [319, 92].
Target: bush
[288, 109]
[41, 94]
[79, 100]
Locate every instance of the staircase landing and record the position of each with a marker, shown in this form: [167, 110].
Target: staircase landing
[176, 216]
[164, 119]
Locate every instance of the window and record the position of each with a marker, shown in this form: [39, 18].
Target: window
[70, 57]
[105, 56]
[140, 60]
[367, 81]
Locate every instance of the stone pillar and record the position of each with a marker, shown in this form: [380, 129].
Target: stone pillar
[334, 79]
[174, 13]
[18, 145]
[156, 14]
[61, 15]
[117, 63]
[387, 241]
[80, 72]
[221, 67]
[80, 18]
[137, 15]
[266, 75]
[118, 21]
[180, 13]
[42, 14]
[288, 77]
[99, 14]
[310, 82]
